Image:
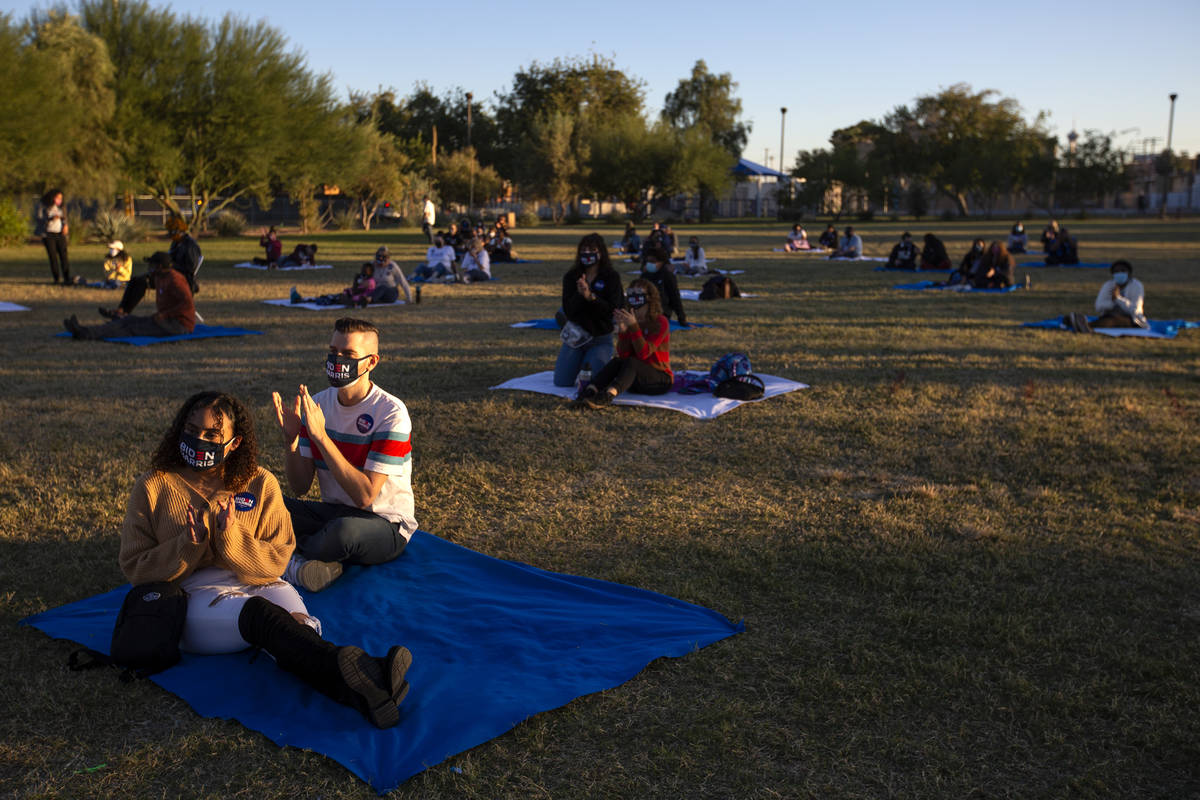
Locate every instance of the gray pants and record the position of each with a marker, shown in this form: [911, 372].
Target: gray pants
[134, 326]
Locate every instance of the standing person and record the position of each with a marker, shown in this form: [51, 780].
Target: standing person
[357, 440]
[52, 224]
[657, 270]
[591, 291]
[904, 254]
[642, 364]
[208, 518]
[175, 312]
[184, 256]
[389, 279]
[428, 218]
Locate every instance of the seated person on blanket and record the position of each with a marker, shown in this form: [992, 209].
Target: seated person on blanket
[1017, 240]
[642, 364]
[797, 239]
[357, 439]
[657, 270]
[389, 279]
[118, 265]
[1064, 249]
[184, 256]
[475, 266]
[995, 270]
[175, 312]
[1119, 303]
[359, 293]
[439, 262]
[631, 243]
[970, 260]
[1049, 235]
[904, 254]
[591, 291]
[302, 255]
[933, 254]
[209, 519]
[850, 246]
[694, 262]
[499, 246]
[829, 238]
[670, 240]
[273, 247]
[654, 240]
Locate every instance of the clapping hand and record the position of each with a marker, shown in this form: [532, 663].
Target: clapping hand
[624, 319]
[314, 417]
[288, 417]
[582, 285]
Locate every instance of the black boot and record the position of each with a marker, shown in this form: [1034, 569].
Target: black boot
[374, 686]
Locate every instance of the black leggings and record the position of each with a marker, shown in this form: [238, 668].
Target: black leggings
[135, 290]
[56, 248]
[631, 375]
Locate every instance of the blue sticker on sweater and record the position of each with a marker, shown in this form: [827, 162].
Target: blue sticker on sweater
[244, 501]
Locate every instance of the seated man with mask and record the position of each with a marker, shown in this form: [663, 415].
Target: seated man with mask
[1119, 302]
[357, 439]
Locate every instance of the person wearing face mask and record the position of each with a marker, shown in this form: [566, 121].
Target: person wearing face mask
[1119, 303]
[389, 279]
[476, 265]
[996, 270]
[694, 262]
[657, 271]
[1017, 239]
[184, 256]
[904, 254]
[850, 246]
[357, 440]
[642, 364]
[1064, 249]
[439, 262]
[118, 265]
[208, 518]
[591, 291]
[175, 312]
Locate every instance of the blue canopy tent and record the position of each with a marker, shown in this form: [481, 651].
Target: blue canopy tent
[747, 169]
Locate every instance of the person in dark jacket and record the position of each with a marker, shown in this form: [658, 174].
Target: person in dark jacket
[591, 291]
[904, 254]
[934, 255]
[175, 313]
[657, 270]
[1063, 250]
[829, 239]
[995, 270]
[184, 256]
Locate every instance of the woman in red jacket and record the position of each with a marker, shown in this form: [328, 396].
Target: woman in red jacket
[642, 364]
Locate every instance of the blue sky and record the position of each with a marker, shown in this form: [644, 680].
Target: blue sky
[1100, 64]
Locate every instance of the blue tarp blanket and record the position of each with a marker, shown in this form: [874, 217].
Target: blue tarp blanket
[1085, 264]
[1159, 328]
[551, 325]
[199, 332]
[493, 643]
[7, 306]
[921, 286]
[906, 269]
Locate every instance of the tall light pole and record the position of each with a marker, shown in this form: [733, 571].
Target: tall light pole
[471, 200]
[1169, 166]
[782, 120]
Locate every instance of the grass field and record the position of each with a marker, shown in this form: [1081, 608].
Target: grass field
[966, 558]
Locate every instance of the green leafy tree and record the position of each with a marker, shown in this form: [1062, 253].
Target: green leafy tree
[1095, 169]
[700, 166]
[627, 158]
[817, 170]
[382, 171]
[558, 158]
[26, 116]
[455, 173]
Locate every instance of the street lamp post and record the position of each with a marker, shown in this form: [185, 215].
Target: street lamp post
[782, 120]
[1169, 167]
[471, 200]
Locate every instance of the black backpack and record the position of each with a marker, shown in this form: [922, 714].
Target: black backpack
[740, 387]
[146, 637]
[719, 287]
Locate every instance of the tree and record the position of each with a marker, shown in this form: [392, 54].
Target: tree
[412, 120]
[558, 159]
[965, 143]
[699, 166]
[626, 159]
[816, 169]
[381, 172]
[27, 111]
[1093, 170]
[455, 173]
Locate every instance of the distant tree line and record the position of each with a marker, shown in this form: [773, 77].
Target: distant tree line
[970, 147]
[115, 98]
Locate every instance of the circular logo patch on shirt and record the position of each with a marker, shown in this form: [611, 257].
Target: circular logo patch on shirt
[598, 285]
[244, 501]
[364, 423]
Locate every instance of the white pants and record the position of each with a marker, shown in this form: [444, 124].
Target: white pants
[215, 600]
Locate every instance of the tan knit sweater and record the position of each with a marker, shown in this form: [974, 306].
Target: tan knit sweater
[156, 545]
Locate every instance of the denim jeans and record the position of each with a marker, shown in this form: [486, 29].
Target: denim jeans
[572, 359]
[335, 532]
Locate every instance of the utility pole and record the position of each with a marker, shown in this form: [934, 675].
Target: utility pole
[471, 201]
[782, 120]
[1170, 165]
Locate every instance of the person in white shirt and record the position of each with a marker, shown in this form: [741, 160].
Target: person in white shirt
[439, 262]
[475, 266]
[1119, 303]
[851, 245]
[428, 217]
[694, 262]
[797, 239]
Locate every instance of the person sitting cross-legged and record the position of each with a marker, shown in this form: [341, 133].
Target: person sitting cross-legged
[357, 440]
[850, 246]
[642, 364]
[1119, 303]
[904, 254]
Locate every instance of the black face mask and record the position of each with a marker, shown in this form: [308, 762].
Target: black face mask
[636, 299]
[588, 259]
[342, 370]
[199, 454]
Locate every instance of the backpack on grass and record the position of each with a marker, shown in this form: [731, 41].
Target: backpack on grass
[719, 287]
[146, 636]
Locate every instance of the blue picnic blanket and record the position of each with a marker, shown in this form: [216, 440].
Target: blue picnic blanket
[494, 642]
[906, 269]
[921, 286]
[199, 332]
[1084, 264]
[1159, 328]
[549, 324]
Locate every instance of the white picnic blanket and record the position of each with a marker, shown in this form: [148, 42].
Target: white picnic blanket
[811, 250]
[694, 294]
[285, 302]
[860, 258]
[248, 265]
[7, 306]
[700, 406]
